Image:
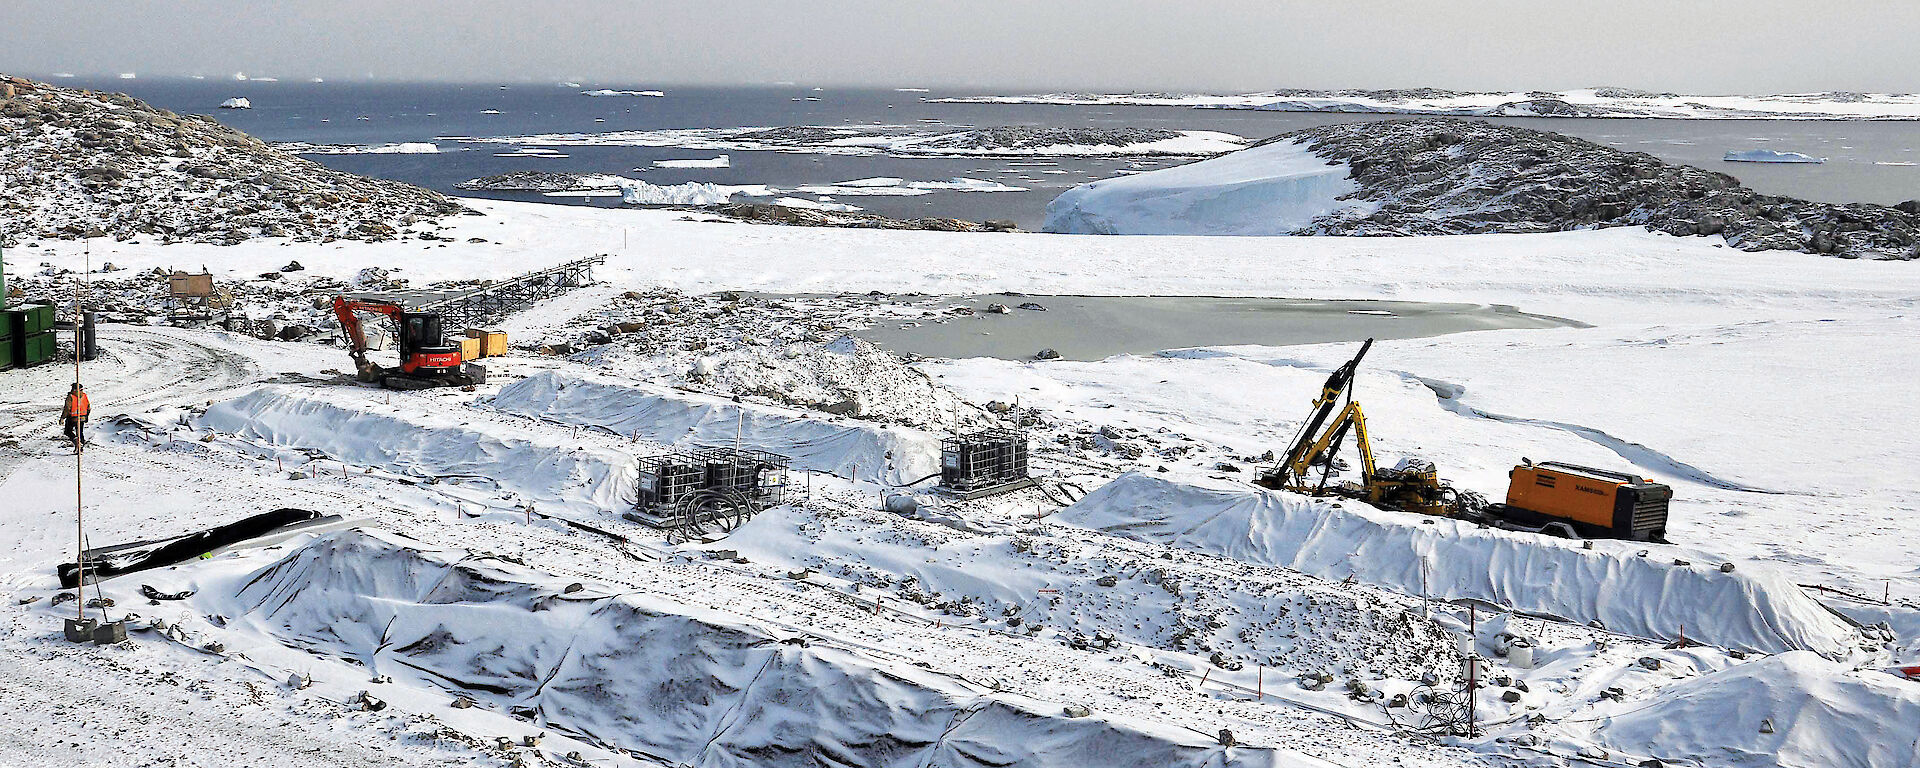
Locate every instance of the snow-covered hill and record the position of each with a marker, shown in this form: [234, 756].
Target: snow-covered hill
[1435, 176]
[77, 163]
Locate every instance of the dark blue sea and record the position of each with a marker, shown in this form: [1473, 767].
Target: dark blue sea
[1864, 157]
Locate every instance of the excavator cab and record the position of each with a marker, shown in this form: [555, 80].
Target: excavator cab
[423, 345]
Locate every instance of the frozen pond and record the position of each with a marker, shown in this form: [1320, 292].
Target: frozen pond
[1095, 327]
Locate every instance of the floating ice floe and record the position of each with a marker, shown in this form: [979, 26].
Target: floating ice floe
[399, 148]
[237, 102]
[713, 162]
[1769, 156]
[892, 186]
[612, 92]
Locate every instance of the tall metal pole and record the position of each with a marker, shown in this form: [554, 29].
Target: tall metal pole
[1473, 664]
[79, 527]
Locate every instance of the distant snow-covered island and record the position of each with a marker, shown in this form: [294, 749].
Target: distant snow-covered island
[1599, 102]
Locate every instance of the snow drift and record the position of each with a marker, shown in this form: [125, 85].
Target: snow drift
[677, 418]
[358, 431]
[1271, 189]
[1651, 596]
[1824, 715]
[678, 684]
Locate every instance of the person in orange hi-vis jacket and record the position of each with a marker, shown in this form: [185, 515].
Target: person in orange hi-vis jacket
[75, 413]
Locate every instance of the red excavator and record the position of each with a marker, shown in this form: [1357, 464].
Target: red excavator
[426, 359]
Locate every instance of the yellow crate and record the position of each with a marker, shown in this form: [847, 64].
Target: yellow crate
[494, 343]
[469, 349]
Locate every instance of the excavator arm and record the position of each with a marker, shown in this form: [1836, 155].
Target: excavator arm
[348, 311]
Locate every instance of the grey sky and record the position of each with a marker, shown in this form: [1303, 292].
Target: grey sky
[1686, 45]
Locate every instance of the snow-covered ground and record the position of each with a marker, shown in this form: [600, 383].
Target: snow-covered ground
[1770, 389]
[1586, 102]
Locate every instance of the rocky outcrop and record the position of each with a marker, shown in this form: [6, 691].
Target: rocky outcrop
[1033, 137]
[77, 163]
[526, 181]
[1433, 176]
[761, 213]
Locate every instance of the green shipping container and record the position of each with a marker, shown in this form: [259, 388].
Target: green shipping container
[33, 350]
[6, 354]
[39, 319]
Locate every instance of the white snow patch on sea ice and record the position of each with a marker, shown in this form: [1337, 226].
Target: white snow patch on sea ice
[352, 427]
[405, 148]
[1822, 714]
[612, 92]
[399, 148]
[1651, 596]
[722, 161]
[894, 186]
[817, 205]
[1769, 156]
[1273, 189]
[237, 102]
[964, 184]
[635, 192]
[662, 415]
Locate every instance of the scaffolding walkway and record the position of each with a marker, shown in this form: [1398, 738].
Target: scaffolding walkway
[469, 307]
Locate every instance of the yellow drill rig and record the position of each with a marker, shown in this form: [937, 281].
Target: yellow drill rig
[1414, 486]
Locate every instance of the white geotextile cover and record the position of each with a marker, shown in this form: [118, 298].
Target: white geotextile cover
[349, 426]
[1751, 608]
[1825, 715]
[680, 418]
[684, 685]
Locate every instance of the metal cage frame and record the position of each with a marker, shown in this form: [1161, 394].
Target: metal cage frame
[690, 489]
[983, 460]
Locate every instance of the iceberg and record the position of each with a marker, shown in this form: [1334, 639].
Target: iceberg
[236, 102]
[634, 192]
[1769, 156]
